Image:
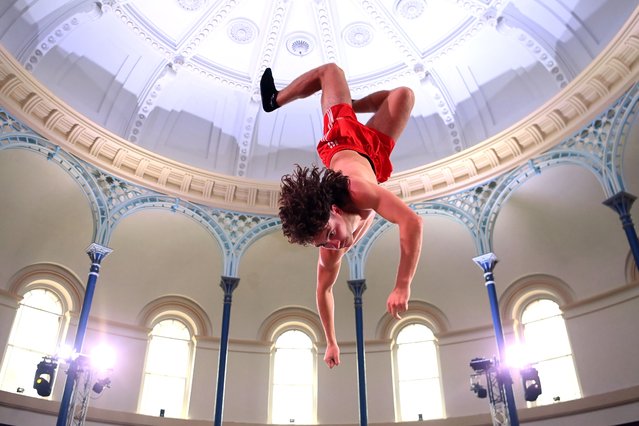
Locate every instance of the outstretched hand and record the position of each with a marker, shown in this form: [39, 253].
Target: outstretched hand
[398, 302]
[331, 357]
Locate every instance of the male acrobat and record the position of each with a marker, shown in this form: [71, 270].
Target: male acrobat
[333, 208]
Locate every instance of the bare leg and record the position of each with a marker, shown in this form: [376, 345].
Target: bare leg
[328, 78]
[391, 109]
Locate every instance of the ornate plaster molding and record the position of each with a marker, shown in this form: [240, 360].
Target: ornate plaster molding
[610, 74]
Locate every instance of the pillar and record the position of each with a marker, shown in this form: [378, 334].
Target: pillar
[228, 284]
[621, 202]
[358, 287]
[96, 252]
[487, 263]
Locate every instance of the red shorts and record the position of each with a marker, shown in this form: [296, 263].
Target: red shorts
[342, 131]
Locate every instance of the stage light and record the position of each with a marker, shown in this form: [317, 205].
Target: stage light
[103, 357]
[99, 386]
[479, 390]
[481, 364]
[531, 382]
[45, 373]
[517, 356]
[476, 386]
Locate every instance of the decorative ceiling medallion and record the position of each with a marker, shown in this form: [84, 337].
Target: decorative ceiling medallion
[242, 31]
[300, 44]
[410, 9]
[358, 34]
[191, 4]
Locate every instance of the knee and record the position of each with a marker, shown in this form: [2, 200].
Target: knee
[331, 68]
[405, 95]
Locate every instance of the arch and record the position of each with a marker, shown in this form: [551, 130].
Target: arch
[180, 307]
[531, 287]
[418, 312]
[172, 204]
[54, 277]
[81, 173]
[291, 317]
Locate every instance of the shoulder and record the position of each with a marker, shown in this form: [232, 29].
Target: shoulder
[363, 193]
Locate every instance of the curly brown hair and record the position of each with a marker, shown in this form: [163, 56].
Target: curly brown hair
[306, 199]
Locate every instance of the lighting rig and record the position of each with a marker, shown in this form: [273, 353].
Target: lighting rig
[488, 380]
[91, 380]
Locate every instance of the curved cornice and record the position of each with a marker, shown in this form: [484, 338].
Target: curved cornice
[610, 74]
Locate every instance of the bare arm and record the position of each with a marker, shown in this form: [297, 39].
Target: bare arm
[393, 209]
[328, 266]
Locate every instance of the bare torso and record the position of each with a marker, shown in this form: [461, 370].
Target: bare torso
[359, 171]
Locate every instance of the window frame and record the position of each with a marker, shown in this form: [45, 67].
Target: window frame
[526, 290]
[521, 340]
[409, 319]
[63, 319]
[293, 326]
[168, 316]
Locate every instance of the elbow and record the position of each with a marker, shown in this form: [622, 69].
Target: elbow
[417, 224]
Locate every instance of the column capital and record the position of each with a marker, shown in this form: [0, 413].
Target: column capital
[96, 248]
[97, 252]
[357, 286]
[621, 202]
[229, 284]
[486, 261]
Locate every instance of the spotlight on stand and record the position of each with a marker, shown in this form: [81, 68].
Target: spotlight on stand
[532, 385]
[479, 390]
[481, 367]
[480, 364]
[99, 386]
[44, 375]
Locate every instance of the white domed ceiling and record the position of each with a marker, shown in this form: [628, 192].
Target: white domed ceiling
[180, 77]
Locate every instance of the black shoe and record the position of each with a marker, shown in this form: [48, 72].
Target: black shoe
[268, 91]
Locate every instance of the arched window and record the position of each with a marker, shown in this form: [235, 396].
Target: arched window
[418, 382]
[546, 342]
[167, 370]
[293, 396]
[36, 333]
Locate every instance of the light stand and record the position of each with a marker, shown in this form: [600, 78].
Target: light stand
[492, 388]
[87, 379]
[495, 378]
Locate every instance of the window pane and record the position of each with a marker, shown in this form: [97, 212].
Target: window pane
[540, 309]
[38, 330]
[163, 393]
[170, 357]
[421, 356]
[21, 367]
[43, 299]
[415, 333]
[421, 397]
[292, 402]
[547, 338]
[548, 347]
[558, 379]
[35, 333]
[419, 387]
[167, 370]
[293, 366]
[293, 387]
[294, 339]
